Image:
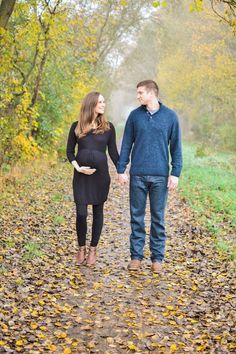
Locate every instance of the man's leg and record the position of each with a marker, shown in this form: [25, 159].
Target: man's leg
[138, 197]
[158, 197]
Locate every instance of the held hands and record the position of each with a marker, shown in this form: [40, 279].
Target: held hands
[172, 183]
[83, 169]
[123, 178]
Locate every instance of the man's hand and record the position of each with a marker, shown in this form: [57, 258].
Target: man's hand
[172, 183]
[123, 178]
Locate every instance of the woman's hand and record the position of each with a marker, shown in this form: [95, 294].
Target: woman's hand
[86, 170]
[83, 169]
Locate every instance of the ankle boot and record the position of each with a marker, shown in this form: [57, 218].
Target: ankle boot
[81, 255]
[91, 259]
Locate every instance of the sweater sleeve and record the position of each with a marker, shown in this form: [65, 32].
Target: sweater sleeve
[71, 143]
[176, 148]
[112, 148]
[126, 146]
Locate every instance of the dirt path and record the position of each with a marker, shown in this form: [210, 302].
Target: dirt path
[50, 305]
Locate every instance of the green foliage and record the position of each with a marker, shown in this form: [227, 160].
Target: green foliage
[32, 250]
[208, 184]
[57, 197]
[59, 220]
[195, 75]
[201, 151]
[51, 56]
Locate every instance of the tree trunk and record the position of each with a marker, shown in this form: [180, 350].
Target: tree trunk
[6, 9]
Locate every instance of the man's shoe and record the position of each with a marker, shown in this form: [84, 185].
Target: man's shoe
[156, 267]
[135, 264]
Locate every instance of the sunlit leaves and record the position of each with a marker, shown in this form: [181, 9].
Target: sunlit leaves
[197, 5]
[62, 308]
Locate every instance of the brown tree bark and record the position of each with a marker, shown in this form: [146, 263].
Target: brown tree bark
[6, 9]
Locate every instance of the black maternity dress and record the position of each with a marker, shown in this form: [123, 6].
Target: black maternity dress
[92, 189]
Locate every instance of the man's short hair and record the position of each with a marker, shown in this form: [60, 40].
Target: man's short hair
[150, 85]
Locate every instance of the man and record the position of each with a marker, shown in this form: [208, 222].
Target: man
[152, 131]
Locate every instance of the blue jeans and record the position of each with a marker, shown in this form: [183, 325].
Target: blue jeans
[156, 188]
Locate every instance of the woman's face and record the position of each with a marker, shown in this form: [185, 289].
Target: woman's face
[100, 106]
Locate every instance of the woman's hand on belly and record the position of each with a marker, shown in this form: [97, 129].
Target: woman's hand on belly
[86, 170]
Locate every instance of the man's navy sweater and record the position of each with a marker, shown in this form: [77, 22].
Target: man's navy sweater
[151, 137]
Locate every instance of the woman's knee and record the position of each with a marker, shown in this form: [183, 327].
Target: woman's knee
[81, 210]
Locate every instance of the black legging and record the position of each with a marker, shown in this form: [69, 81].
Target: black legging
[81, 223]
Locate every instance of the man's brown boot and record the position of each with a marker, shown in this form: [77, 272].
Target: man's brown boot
[135, 264]
[81, 255]
[91, 259]
[156, 267]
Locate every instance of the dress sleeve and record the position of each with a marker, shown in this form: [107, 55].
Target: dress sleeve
[71, 143]
[112, 148]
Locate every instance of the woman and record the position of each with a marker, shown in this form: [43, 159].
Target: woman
[91, 181]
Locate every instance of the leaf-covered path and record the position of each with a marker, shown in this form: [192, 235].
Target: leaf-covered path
[50, 305]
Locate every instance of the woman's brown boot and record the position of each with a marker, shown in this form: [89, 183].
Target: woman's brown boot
[91, 259]
[81, 255]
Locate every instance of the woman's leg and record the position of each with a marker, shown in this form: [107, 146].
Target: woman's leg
[81, 223]
[96, 232]
[97, 224]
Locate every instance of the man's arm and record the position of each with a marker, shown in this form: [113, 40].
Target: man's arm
[176, 155]
[126, 146]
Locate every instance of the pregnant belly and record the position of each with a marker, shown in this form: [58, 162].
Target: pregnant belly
[92, 158]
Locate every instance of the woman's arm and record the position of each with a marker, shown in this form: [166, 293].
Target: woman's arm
[71, 143]
[70, 151]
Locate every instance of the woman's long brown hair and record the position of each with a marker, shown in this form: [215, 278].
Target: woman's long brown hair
[87, 117]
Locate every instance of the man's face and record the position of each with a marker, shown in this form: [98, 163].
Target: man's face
[143, 95]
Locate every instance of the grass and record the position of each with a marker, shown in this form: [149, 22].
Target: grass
[208, 184]
[32, 250]
[59, 220]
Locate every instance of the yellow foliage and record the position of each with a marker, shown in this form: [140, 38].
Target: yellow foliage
[25, 148]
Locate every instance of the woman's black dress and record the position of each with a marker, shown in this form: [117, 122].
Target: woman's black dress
[92, 189]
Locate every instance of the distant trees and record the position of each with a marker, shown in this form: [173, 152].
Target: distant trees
[52, 52]
[197, 74]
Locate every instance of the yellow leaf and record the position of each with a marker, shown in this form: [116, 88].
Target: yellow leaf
[173, 347]
[170, 307]
[91, 345]
[67, 351]
[51, 347]
[60, 335]
[19, 342]
[131, 346]
[97, 285]
[200, 348]
[33, 325]
[58, 324]
[43, 328]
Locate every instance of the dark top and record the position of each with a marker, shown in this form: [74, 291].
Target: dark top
[91, 152]
[151, 137]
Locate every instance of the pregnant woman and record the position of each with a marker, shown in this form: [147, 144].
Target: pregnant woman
[93, 134]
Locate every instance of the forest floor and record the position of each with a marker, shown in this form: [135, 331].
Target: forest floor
[48, 304]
